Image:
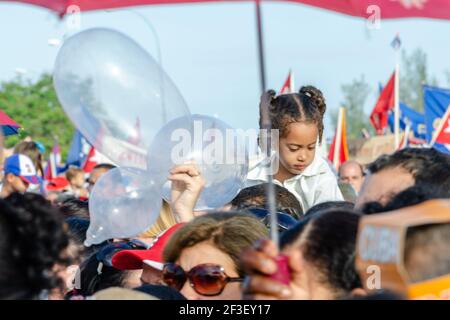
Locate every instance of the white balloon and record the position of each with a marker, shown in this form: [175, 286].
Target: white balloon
[214, 146]
[124, 202]
[115, 93]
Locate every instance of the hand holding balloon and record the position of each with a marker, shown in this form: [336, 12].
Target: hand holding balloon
[187, 184]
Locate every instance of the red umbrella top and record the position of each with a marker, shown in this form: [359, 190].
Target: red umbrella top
[388, 9]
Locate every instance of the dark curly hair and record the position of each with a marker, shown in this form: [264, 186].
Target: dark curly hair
[427, 166]
[32, 241]
[308, 105]
[329, 244]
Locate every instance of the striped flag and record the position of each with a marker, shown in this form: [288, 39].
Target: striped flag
[339, 151]
[288, 86]
[53, 164]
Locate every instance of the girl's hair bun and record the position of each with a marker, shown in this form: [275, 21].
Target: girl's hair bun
[316, 97]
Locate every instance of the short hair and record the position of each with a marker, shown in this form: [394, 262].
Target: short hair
[72, 172]
[432, 241]
[255, 196]
[329, 244]
[230, 232]
[406, 198]
[426, 165]
[106, 166]
[73, 207]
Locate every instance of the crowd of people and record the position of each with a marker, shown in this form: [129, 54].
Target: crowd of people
[226, 253]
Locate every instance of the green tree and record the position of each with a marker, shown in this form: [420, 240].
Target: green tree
[355, 96]
[413, 75]
[35, 106]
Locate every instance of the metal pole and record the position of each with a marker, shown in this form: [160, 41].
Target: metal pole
[262, 69]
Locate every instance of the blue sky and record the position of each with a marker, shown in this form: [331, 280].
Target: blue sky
[209, 50]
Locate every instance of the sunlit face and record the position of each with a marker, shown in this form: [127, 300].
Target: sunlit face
[384, 185]
[78, 180]
[298, 149]
[204, 252]
[351, 173]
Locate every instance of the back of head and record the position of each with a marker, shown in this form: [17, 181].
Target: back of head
[426, 165]
[73, 207]
[255, 196]
[329, 205]
[227, 231]
[32, 241]
[329, 243]
[72, 172]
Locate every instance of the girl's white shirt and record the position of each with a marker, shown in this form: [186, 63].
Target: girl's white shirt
[316, 184]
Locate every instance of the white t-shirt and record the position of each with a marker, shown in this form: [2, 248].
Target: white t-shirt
[316, 184]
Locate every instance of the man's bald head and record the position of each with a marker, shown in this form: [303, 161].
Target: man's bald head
[352, 172]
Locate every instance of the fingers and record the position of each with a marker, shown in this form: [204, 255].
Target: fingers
[260, 287]
[260, 258]
[190, 169]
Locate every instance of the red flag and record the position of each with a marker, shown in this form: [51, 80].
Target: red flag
[388, 9]
[339, 151]
[386, 101]
[443, 132]
[91, 161]
[288, 86]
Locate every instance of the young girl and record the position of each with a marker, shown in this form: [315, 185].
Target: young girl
[299, 119]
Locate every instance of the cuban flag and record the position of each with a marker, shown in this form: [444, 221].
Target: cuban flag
[54, 167]
[437, 103]
[410, 117]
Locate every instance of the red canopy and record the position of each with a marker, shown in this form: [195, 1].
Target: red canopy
[389, 9]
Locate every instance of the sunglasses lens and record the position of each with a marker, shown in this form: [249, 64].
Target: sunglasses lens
[174, 276]
[208, 280]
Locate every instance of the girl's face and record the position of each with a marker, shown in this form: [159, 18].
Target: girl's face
[298, 148]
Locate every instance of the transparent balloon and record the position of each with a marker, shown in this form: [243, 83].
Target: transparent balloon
[124, 202]
[219, 151]
[115, 93]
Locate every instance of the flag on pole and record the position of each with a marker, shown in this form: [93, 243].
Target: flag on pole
[339, 151]
[405, 139]
[380, 113]
[396, 43]
[442, 134]
[288, 86]
[415, 119]
[437, 103]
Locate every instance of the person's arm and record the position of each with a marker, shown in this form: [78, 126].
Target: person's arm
[187, 184]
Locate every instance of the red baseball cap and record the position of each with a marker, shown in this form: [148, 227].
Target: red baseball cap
[133, 259]
[57, 184]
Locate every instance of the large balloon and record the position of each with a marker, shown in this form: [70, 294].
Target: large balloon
[115, 93]
[124, 202]
[216, 148]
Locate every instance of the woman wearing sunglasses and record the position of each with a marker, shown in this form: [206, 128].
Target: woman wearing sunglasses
[202, 257]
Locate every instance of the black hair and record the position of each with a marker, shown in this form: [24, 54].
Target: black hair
[308, 105]
[77, 233]
[106, 166]
[406, 198]
[95, 276]
[73, 207]
[426, 165]
[32, 241]
[329, 205]
[255, 196]
[329, 243]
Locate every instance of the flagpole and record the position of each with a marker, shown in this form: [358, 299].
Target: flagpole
[292, 81]
[397, 92]
[337, 143]
[259, 26]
